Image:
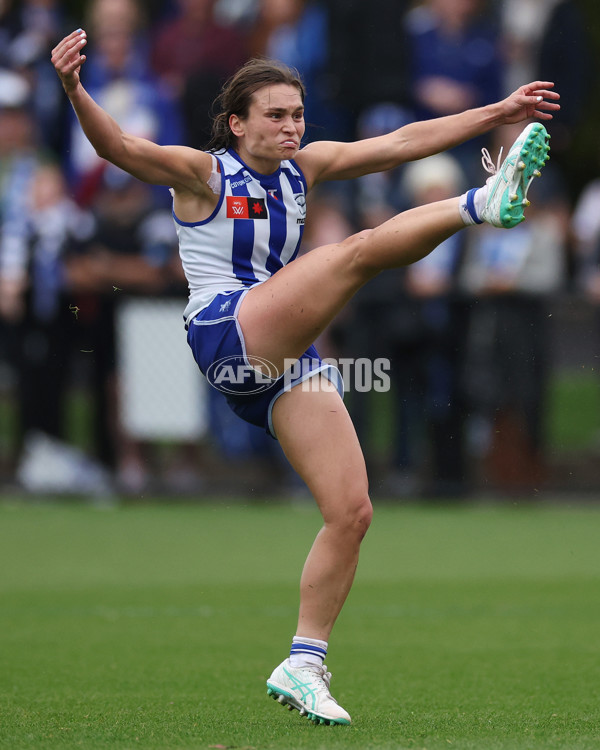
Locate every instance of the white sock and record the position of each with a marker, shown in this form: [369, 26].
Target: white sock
[307, 652]
[471, 205]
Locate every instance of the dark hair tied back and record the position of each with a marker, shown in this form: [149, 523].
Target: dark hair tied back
[236, 96]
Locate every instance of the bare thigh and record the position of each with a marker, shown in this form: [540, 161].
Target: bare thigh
[283, 316]
[317, 435]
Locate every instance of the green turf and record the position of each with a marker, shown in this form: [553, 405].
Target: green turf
[572, 416]
[156, 627]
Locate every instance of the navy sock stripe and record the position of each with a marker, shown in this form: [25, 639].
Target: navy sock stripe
[471, 206]
[307, 649]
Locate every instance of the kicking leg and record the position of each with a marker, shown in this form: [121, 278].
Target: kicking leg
[283, 316]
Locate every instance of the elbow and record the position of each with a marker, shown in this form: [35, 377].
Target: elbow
[103, 153]
[113, 155]
[113, 149]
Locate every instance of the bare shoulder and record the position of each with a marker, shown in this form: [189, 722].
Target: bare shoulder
[191, 164]
[315, 159]
[338, 160]
[195, 199]
[179, 167]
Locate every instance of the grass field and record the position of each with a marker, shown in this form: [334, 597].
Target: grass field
[156, 627]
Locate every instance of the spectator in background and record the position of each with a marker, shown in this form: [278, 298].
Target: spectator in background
[54, 228]
[565, 51]
[194, 40]
[296, 33]
[586, 233]
[507, 364]
[422, 338]
[39, 225]
[586, 245]
[429, 370]
[28, 31]
[194, 53]
[368, 58]
[121, 79]
[20, 155]
[550, 36]
[133, 250]
[455, 63]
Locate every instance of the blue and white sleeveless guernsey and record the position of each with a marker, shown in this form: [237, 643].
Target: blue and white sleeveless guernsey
[255, 229]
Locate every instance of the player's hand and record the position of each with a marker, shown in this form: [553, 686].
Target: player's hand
[532, 100]
[67, 59]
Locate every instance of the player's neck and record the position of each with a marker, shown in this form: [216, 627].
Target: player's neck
[262, 165]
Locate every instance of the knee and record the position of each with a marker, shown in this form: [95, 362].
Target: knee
[363, 516]
[356, 516]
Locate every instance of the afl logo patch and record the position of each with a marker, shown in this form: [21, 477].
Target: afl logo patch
[244, 207]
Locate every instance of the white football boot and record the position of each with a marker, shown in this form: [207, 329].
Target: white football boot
[507, 188]
[307, 689]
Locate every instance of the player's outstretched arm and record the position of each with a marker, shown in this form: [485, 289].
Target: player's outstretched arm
[176, 166]
[420, 139]
[339, 161]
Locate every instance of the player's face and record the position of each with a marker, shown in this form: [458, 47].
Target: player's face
[273, 129]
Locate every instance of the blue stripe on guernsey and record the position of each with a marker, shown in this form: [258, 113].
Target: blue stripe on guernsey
[243, 240]
[295, 184]
[278, 228]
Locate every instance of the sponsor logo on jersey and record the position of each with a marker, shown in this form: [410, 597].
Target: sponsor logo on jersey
[243, 181]
[245, 207]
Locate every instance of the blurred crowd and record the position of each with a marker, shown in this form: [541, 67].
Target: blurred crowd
[466, 330]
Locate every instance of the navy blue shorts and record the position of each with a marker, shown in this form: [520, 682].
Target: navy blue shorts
[217, 343]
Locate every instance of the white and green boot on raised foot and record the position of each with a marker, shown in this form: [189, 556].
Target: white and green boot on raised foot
[507, 189]
[307, 689]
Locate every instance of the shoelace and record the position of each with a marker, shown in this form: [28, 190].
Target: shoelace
[487, 162]
[324, 678]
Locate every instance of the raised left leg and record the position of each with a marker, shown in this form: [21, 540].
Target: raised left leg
[282, 317]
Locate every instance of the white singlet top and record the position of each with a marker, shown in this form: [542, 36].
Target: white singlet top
[255, 230]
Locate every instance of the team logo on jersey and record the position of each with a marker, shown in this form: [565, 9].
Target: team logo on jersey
[300, 199]
[245, 207]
